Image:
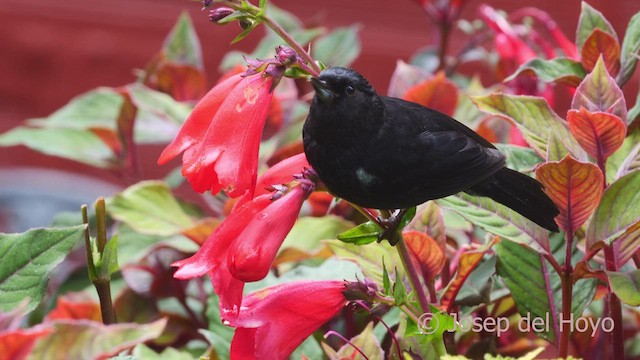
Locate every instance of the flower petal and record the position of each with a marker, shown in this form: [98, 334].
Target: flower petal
[250, 258]
[199, 120]
[283, 316]
[280, 173]
[214, 251]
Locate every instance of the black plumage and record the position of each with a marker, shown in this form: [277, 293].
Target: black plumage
[387, 153]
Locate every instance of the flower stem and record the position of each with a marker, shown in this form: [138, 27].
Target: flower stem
[284, 35]
[566, 281]
[615, 307]
[334, 333]
[102, 284]
[414, 279]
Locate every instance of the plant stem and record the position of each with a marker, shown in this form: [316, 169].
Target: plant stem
[106, 306]
[101, 224]
[566, 280]
[284, 35]
[554, 263]
[615, 307]
[414, 279]
[445, 31]
[102, 285]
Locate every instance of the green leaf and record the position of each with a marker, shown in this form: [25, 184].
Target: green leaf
[338, 48]
[108, 263]
[621, 162]
[519, 158]
[362, 234]
[98, 108]
[92, 340]
[79, 145]
[634, 112]
[591, 19]
[399, 291]
[144, 352]
[476, 289]
[560, 70]
[159, 116]
[133, 246]
[369, 258]
[308, 231]
[149, 207]
[619, 209]
[27, 261]
[182, 45]
[540, 126]
[218, 334]
[626, 285]
[236, 15]
[386, 282]
[498, 219]
[536, 288]
[245, 32]
[434, 324]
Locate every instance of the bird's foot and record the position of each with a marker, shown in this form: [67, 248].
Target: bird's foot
[391, 227]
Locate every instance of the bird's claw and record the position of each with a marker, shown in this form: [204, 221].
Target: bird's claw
[390, 226]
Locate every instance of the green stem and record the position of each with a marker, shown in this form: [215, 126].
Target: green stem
[102, 285]
[101, 224]
[284, 35]
[438, 347]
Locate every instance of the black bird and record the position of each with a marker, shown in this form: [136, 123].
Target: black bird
[387, 153]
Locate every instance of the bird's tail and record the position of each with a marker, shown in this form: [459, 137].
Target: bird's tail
[522, 194]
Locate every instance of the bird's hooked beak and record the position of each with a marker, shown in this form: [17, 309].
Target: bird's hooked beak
[322, 90]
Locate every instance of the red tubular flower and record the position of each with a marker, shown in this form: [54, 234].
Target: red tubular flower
[250, 258]
[244, 246]
[279, 173]
[221, 137]
[274, 321]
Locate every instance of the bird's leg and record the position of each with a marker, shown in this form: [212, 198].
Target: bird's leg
[391, 224]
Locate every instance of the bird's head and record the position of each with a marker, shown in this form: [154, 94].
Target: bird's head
[338, 87]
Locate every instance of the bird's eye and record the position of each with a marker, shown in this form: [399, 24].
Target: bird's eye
[350, 90]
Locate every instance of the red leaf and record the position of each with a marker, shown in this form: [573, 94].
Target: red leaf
[17, 344]
[600, 92]
[200, 232]
[82, 339]
[601, 43]
[75, 309]
[599, 133]
[426, 252]
[182, 82]
[575, 187]
[125, 126]
[436, 93]
[468, 261]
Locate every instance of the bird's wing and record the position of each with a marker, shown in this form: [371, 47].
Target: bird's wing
[446, 155]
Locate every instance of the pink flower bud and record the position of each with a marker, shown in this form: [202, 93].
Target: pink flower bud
[220, 13]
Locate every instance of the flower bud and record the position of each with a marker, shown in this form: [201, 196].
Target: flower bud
[220, 13]
[245, 23]
[286, 56]
[206, 3]
[360, 290]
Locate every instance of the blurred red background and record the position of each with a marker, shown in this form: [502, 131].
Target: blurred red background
[55, 50]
